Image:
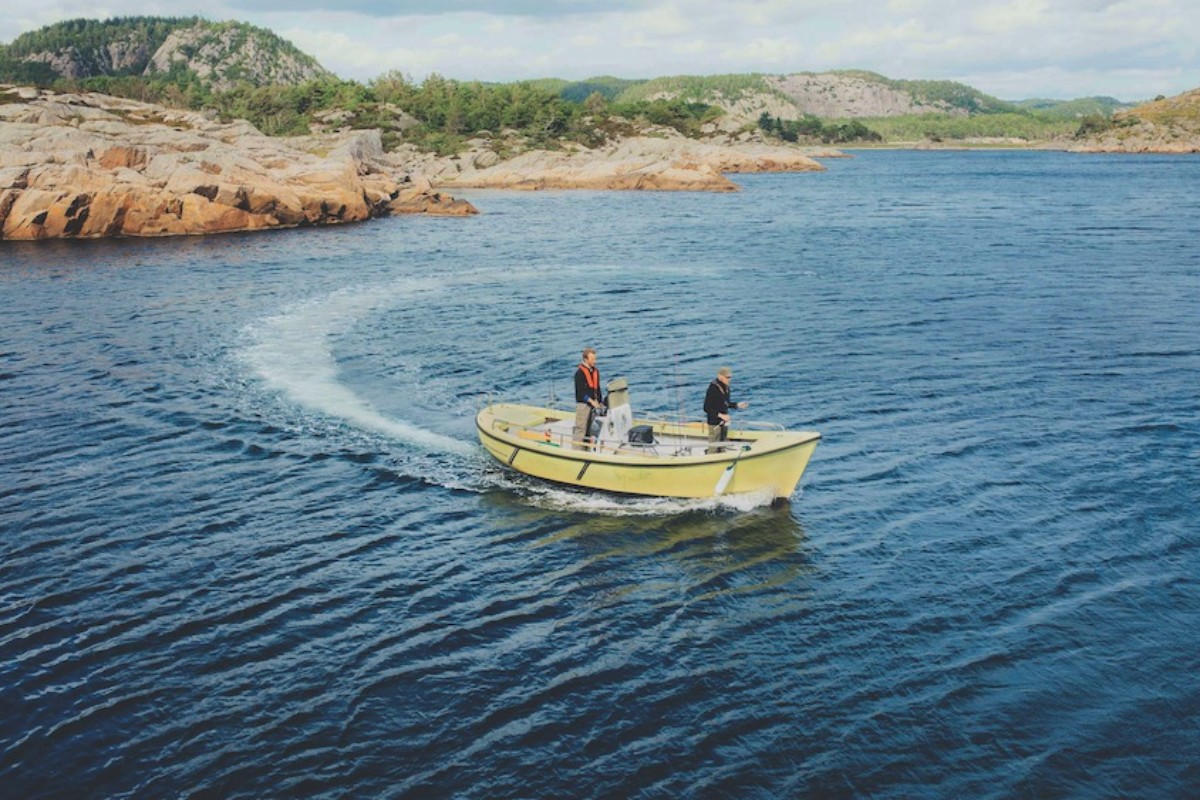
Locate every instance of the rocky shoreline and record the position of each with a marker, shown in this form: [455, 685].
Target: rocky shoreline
[87, 166]
[664, 161]
[91, 165]
[1167, 126]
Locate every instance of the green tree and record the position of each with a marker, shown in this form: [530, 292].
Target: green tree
[596, 104]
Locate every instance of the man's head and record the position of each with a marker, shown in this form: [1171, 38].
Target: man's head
[589, 356]
[724, 374]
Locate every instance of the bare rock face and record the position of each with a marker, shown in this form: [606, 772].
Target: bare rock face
[649, 163]
[85, 166]
[846, 96]
[218, 56]
[114, 58]
[419, 197]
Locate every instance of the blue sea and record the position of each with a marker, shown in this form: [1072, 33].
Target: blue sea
[251, 548]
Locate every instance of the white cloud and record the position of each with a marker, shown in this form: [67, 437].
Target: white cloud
[1017, 15]
[774, 54]
[1011, 48]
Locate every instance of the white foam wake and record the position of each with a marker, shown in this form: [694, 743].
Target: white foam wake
[293, 355]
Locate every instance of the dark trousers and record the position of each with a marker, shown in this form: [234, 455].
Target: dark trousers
[717, 433]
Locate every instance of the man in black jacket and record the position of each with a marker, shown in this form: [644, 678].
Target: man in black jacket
[717, 405]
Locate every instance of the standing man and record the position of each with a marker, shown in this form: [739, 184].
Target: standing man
[717, 405]
[587, 396]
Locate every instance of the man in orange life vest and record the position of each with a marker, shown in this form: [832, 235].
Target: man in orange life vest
[717, 405]
[587, 396]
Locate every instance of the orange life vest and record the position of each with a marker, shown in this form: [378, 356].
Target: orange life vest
[592, 376]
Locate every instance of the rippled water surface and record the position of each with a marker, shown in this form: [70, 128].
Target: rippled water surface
[250, 548]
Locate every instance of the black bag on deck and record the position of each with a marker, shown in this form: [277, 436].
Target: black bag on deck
[641, 434]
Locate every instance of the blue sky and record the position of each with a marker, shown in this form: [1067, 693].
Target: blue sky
[1013, 49]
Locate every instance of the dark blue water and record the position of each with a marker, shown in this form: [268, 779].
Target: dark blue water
[249, 547]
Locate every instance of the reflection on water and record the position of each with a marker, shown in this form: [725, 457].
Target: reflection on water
[714, 551]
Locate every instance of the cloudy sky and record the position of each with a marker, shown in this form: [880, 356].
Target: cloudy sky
[1013, 49]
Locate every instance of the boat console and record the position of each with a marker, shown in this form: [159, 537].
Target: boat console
[614, 429]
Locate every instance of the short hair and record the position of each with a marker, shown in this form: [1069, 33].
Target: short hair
[726, 371]
[587, 350]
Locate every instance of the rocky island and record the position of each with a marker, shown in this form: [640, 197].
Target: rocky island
[85, 166]
[92, 165]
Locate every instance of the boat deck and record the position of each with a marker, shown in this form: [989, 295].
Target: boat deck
[670, 439]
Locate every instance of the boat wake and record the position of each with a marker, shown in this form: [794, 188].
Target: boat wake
[293, 355]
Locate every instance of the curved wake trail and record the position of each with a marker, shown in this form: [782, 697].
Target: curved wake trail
[294, 356]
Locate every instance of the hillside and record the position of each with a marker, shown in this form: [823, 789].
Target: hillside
[237, 71]
[1166, 125]
[857, 106]
[843, 94]
[858, 94]
[1074, 109]
[216, 55]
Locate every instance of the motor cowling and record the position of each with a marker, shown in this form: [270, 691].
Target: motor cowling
[614, 428]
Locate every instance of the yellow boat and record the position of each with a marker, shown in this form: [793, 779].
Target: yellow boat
[654, 457]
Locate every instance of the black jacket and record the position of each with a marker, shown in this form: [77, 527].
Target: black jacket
[716, 402]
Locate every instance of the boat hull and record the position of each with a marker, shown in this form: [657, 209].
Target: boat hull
[762, 461]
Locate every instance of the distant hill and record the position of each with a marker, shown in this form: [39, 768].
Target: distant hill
[606, 86]
[1074, 109]
[840, 94]
[901, 111]
[216, 54]
[853, 105]
[837, 94]
[851, 94]
[743, 97]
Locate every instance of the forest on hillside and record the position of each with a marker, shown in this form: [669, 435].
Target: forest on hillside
[440, 114]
